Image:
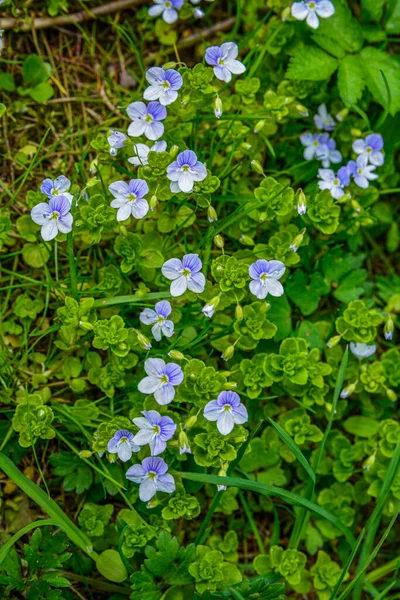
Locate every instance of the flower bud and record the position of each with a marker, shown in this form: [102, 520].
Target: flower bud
[259, 126]
[285, 13]
[211, 214]
[369, 461]
[219, 241]
[170, 65]
[222, 473]
[210, 307]
[389, 328]
[356, 133]
[355, 205]
[298, 240]
[238, 312]
[230, 385]
[85, 325]
[218, 107]
[265, 306]
[334, 341]
[228, 353]
[198, 13]
[246, 240]
[176, 355]
[153, 202]
[302, 110]
[301, 202]
[190, 422]
[342, 114]
[183, 442]
[257, 167]
[391, 395]
[348, 390]
[85, 454]
[144, 342]
[174, 150]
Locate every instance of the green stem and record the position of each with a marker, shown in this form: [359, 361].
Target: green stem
[104, 302]
[381, 572]
[253, 525]
[72, 266]
[10, 543]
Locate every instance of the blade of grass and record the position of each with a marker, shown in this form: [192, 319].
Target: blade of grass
[293, 447]
[5, 548]
[270, 490]
[47, 505]
[347, 565]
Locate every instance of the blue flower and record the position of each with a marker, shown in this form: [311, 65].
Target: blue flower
[362, 172]
[265, 275]
[152, 476]
[198, 13]
[310, 10]
[184, 171]
[122, 443]
[370, 149]
[184, 274]
[323, 120]
[161, 381]
[58, 187]
[54, 217]
[116, 140]
[320, 146]
[361, 350]
[155, 430]
[129, 198]
[168, 9]
[334, 182]
[142, 152]
[223, 59]
[146, 119]
[164, 85]
[158, 318]
[226, 410]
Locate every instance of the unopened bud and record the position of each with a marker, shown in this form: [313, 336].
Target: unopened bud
[257, 167]
[210, 307]
[183, 442]
[153, 202]
[198, 13]
[190, 422]
[85, 454]
[348, 390]
[259, 126]
[301, 202]
[389, 328]
[298, 240]
[170, 65]
[391, 395]
[211, 214]
[369, 462]
[230, 385]
[144, 342]
[355, 205]
[228, 353]
[174, 150]
[153, 503]
[176, 355]
[222, 473]
[302, 110]
[238, 312]
[356, 133]
[219, 241]
[218, 107]
[342, 114]
[246, 240]
[265, 306]
[85, 325]
[334, 341]
[285, 13]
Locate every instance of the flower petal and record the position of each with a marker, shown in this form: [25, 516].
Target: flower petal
[147, 489]
[175, 373]
[172, 268]
[49, 230]
[196, 283]
[225, 422]
[166, 483]
[148, 316]
[179, 286]
[155, 367]
[40, 213]
[149, 385]
[165, 394]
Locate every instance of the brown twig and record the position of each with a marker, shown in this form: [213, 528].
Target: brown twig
[74, 18]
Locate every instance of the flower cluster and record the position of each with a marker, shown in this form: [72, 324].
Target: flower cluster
[310, 10]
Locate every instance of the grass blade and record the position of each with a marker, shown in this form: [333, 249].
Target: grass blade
[293, 447]
[5, 548]
[48, 506]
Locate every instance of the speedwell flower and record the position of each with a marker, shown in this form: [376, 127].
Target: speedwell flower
[142, 152]
[146, 119]
[152, 476]
[361, 350]
[265, 275]
[129, 198]
[58, 187]
[161, 381]
[370, 149]
[184, 274]
[334, 182]
[54, 217]
[226, 410]
[168, 9]
[184, 171]
[164, 85]
[116, 140]
[155, 430]
[223, 59]
[362, 172]
[323, 119]
[122, 443]
[310, 10]
[158, 318]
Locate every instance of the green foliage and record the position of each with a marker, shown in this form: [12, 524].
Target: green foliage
[93, 518]
[32, 420]
[358, 323]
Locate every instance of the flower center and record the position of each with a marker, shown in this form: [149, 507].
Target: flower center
[160, 320]
[369, 149]
[166, 85]
[54, 192]
[185, 168]
[359, 171]
[132, 197]
[227, 408]
[156, 429]
[336, 181]
[148, 118]
[164, 379]
[152, 475]
[221, 62]
[186, 272]
[312, 5]
[55, 215]
[123, 440]
[263, 277]
[316, 143]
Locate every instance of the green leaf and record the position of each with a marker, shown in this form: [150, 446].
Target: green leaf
[7, 82]
[352, 286]
[2, 109]
[280, 315]
[351, 80]
[393, 23]
[34, 71]
[47, 504]
[342, 29]
[35, 255]
[312, 64]
[110, 565]
[42, 92]
[362, 426]
[270, 490]
[306, 296]
[375, 62]
[77, 474]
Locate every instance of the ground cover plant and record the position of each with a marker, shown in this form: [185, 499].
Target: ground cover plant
[199, 304]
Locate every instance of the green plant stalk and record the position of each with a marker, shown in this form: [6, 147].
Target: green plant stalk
[72, 266]
[381, 572]
[253, 525]
[104, 302]
[48, 506]
[5, 548]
